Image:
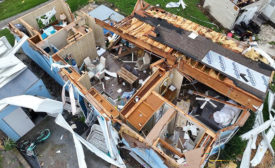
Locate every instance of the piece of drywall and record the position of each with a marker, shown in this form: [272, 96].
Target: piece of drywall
[98, 31]
[59, 39]
[85, 81]
[177, 80]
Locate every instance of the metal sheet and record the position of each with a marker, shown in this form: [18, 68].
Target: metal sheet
[103, 12]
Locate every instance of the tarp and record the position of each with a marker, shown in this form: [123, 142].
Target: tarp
[176, 4]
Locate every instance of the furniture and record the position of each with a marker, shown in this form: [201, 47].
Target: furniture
[171, 93]
[127, 76]
[143, 62]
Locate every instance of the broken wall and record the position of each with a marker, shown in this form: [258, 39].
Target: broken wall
[85, 81]
[224, 11]
[177, 80]
[81, 48]
[169, 81]
[98, 31]
[30, 18]
[59, 40]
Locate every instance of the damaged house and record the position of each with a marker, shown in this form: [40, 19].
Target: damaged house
[175, 91]
[232, 12]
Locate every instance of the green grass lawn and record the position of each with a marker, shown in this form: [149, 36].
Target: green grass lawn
[76, 4]
[9, 36]
[191, 12]
[9, 8]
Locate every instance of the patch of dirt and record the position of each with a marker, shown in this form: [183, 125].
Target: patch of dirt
[88, 8]
[266, 36]
[9, 159]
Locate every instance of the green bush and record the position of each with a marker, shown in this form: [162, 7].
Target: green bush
[9, 144]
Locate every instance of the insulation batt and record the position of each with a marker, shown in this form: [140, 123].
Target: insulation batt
[226, 114]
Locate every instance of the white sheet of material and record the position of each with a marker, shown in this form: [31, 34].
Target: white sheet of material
[111, 138]
[106, 134]
[72, 100]
[79, 150]
[49, 106]
[256, 124]
[226, 114]
[262, 148]
[176, 4]
[56, 65]
[63, 97]
[246, 155]
[48, 15]
[251, 142]
[233, 69]
[112, 74]
[99, 153]
[257, 130]
[18, 45]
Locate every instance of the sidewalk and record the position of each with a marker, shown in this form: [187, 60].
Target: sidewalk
[5, 22]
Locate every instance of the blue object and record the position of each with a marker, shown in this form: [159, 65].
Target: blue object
[44, 36]
[73, 62]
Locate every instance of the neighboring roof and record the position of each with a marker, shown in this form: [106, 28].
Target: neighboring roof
[10, 66]
[18, 85]
[102, 12]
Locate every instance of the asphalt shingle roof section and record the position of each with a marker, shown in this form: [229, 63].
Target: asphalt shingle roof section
[177, 38]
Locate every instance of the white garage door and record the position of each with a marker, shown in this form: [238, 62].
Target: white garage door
[19, 122]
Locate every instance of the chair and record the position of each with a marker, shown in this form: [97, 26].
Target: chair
[100, 73]
[89, 65]
[95, 71]
[143, 62]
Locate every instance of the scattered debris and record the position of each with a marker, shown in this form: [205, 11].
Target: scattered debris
[137, 100]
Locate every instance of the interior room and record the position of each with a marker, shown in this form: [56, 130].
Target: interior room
[119, 72]
[180, 133]
[173, 133]
[203, 103]
[211, 108]
[48, 19]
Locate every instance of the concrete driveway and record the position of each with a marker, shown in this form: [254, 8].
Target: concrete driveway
[58, 150]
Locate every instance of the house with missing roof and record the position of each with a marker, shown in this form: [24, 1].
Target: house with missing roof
[174, 91]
